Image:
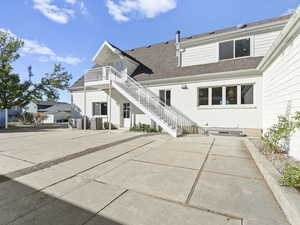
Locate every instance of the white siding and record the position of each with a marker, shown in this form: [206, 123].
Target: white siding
[49, 119]
[217, 116]
[281, 90]
[262, 42]
[236, 116]
[209, 53]
[100, 96]
[201, 54]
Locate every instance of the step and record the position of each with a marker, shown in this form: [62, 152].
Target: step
[225, 131]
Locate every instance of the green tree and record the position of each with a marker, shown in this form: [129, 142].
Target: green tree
[14, 92]
[54, 82]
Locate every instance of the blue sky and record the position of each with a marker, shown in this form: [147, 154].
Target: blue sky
[71, 31]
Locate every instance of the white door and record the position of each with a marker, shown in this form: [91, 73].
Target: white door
[126, 115]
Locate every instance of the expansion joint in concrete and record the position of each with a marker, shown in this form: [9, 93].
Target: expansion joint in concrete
[199, 173]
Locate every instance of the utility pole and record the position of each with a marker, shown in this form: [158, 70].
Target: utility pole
[84, 111]
[110, 84]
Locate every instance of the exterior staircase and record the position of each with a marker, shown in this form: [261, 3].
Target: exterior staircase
[168, 117]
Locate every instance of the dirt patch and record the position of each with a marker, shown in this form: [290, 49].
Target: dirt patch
[278, 159]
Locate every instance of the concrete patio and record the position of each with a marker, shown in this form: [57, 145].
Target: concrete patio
[74, 177]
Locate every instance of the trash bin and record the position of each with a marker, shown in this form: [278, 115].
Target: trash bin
[96, 124]
[72, 123]
[79, 124]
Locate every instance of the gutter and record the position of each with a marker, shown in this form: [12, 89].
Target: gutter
[195, 78]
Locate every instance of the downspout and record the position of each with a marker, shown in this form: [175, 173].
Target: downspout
[110, 86]
[178, 50]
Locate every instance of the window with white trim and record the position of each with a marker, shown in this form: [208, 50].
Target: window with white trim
[242, 94]
[165, 96]
[234, 49]
[217, 96]
[247, 94]
[99, 108]
[126, 110]
[203, 94]
[231, 95]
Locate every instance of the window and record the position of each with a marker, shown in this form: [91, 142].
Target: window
[247, 94]
[217, 96]
[203, 96]
[165, 96]
[120, 66]
[242, 94]
[231, 95]
[99, 109]
[226, 50]
[126, 110]
[242, 47]
[234, 49]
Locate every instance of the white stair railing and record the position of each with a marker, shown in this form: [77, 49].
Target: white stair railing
[169, 115]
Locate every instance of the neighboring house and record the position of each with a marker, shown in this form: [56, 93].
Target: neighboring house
[12, 115]
[239, 77]
[42, 106]
[60, 113]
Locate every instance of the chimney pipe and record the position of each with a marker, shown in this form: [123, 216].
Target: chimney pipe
[178, 51]
[178, 37]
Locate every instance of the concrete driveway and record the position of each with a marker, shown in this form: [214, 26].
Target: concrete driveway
[74, 177]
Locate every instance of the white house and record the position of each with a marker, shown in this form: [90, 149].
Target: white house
[60, 113]
[239, 77]
[39, 106]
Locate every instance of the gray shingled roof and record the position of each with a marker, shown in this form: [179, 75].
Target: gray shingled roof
[159, 61]
[62, 107]
[46, 103]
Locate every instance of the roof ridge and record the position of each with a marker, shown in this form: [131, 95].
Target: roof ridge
[268, 20]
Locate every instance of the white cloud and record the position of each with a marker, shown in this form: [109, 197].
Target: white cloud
[71, 1]
[32, 47]
[68, 60]
[124, 9]
[288, 11]
[83, 8]
[53, 12]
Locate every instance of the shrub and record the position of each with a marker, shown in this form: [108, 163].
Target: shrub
[106, 126]
[274, 138]
[143, 128]
[297, 119]
[40, 117]
[25, 117]
[291, 176]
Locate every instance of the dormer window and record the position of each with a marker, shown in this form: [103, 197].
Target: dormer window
[234, 49]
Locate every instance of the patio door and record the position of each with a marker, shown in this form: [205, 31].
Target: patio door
[126, 115]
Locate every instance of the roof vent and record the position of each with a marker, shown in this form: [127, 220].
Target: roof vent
[241, 26]
[148, 46]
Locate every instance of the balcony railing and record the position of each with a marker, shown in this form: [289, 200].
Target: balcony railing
[171, 116]
[102, 74]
